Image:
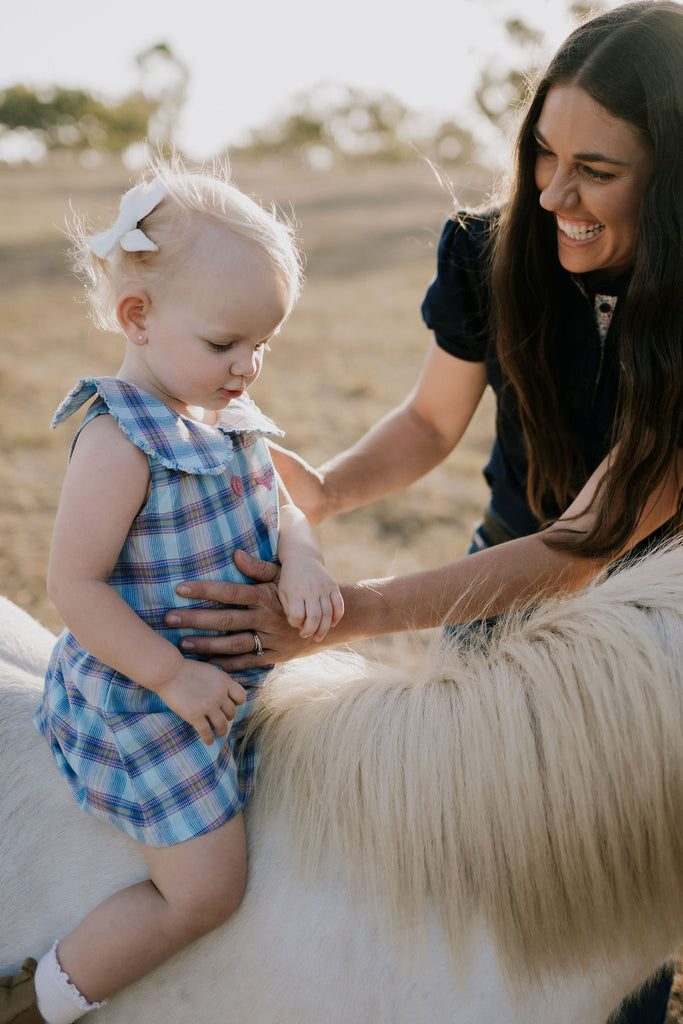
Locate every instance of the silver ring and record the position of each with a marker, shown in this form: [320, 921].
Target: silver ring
[258, 646]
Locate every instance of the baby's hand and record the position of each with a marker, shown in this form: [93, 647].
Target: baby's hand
[310, 597]
[204, 696]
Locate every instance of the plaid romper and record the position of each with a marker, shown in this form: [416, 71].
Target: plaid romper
[127, 757]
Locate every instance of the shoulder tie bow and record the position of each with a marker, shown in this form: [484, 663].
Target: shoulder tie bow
[135, 204]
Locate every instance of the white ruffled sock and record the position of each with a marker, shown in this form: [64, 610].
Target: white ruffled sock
[59, 1002]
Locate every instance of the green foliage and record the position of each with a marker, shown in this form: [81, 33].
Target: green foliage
[330, 121]
[127, 121]
[502, 90]
[75, 119]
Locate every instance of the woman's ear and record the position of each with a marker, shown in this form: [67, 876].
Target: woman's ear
[132, 310]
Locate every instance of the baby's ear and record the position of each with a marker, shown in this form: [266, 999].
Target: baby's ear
[131, 311]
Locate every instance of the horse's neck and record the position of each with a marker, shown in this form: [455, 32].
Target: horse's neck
[297, 950]
[348, 968]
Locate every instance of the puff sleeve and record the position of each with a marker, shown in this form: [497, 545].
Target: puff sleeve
[457, 304]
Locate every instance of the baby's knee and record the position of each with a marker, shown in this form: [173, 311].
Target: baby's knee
[224, 900]
[210, 902]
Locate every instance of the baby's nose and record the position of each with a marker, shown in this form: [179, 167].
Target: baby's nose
[246, 365]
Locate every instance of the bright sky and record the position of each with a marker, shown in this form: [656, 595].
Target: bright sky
[248, 57]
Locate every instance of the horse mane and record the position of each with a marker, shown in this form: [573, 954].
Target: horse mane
[536, 782]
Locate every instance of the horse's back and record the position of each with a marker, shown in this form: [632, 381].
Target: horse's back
[24, 644]
[55, 861]
[298, 949]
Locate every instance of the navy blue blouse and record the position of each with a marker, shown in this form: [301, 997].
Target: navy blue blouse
[456, 307]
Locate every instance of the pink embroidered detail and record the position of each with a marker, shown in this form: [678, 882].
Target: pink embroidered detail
[237, 485]
[603, 312]
[265, 479]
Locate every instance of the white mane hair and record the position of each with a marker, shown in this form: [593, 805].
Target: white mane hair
[516, 806]
[537, 782]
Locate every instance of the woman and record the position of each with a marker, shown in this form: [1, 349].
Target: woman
[567, 302]
[590, 417]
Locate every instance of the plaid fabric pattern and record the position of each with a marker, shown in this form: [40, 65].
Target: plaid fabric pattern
[127, 757]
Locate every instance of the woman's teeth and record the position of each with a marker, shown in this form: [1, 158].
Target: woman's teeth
[579, 232]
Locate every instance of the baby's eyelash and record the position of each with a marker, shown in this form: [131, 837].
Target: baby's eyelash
[215, 347]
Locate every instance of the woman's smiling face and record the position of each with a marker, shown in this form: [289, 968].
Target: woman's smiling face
[591, 170]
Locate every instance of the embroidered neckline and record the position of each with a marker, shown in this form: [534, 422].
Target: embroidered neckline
[603, 311]
[176, 441]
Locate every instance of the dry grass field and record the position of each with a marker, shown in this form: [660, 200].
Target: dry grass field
[350, 351]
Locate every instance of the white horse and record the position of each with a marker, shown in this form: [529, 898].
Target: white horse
[496, 839]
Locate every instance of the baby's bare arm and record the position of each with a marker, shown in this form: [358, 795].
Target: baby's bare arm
[310, 596]
[106, 484]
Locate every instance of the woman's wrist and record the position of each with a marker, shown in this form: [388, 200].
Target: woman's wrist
[327, 502]
[367, 613]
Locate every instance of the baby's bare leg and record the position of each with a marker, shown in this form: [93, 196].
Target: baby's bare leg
[194, 887]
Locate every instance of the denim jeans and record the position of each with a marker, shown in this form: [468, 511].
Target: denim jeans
[647, 1005]
[477, 631]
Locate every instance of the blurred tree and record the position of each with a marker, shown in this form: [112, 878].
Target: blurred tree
[331, 120]
[164, 81]
[502, 87]
[74, 119]
[453, 142]
[581, 11]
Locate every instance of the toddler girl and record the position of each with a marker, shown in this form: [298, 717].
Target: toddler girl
[168, 474]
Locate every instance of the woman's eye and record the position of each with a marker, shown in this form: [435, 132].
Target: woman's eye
[541, 150]
[597, 175]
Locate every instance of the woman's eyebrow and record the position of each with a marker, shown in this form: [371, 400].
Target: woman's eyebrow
[589, 158]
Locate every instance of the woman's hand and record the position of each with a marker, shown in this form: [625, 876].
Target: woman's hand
[260, 613]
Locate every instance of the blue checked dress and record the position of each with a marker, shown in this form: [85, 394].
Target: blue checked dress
[126, 756]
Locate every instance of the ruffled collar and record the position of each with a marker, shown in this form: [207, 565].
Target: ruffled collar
[176, 441]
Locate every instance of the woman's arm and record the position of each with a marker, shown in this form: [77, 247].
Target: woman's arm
[105, 485]
[408, 442]
[518, 573]
[487, 583]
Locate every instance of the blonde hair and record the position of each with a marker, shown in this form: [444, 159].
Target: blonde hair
[191, 194]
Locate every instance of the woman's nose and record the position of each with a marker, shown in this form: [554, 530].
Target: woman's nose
[561, 193]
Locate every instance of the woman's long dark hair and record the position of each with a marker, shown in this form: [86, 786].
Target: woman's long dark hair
[629, 60]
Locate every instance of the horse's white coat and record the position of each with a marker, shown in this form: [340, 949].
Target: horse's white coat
[295, 953]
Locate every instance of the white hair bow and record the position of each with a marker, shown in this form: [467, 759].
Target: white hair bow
[135, 204]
